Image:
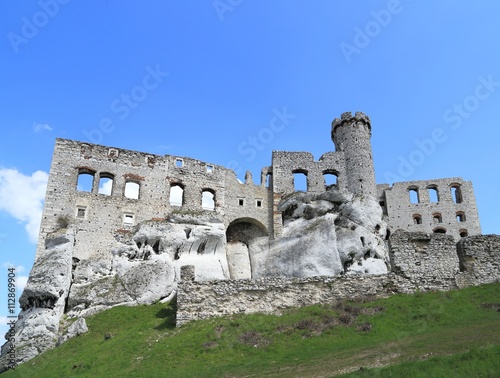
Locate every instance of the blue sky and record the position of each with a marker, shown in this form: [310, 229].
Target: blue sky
[205, 79]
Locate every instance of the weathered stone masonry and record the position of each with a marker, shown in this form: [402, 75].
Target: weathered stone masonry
[419, 261]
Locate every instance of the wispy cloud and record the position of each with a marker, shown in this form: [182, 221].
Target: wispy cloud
[21, 281]
[22, 196]
[40, 127]
[19, 268]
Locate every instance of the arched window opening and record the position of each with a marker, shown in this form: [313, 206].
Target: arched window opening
[456, 193]
[85, 181]
[176, 195]
[417, 219]
[132, 190]
[105, 184]
[331, 179]
[439, 230]
[269, 177]
[433, 194]
[460, 217]
[463, 233]
[437, 218]
[300, 181]
[414, 197]
[208, 199]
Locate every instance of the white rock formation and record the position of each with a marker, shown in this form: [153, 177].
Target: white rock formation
[325, 234]
[43, 299]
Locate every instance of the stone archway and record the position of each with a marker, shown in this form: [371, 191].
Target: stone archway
[240, 235]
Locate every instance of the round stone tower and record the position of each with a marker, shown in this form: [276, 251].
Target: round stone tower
[351, 135]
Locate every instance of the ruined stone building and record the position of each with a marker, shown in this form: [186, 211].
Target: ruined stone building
[142, 186]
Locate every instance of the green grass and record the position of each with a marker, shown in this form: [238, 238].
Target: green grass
[478, 362]
[316, 341]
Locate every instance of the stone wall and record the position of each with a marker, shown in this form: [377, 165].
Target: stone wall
[427, 261]
[203, 300]
[98, 216]
[456, 215]
[419, 261]
[479, 260]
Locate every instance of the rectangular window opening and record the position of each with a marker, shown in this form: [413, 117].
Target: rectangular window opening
[81, 212]
[128, 219]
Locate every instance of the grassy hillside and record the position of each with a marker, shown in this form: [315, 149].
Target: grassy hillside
[317, 341]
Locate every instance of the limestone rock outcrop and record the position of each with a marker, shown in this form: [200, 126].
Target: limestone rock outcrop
[43, 300]
[146, 263]
[325, 234]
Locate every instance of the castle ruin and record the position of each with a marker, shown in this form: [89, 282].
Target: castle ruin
[145, 186]
[122, 227]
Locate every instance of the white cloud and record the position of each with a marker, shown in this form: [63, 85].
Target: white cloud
[21, 282]
[19, 268]
[22, 198]
[106, 187]
[3, 320]
[39, 127]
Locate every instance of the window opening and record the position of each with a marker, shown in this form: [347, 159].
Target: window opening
[85, 181]
[460, 217]
[210, 168]
[437, 218]
[179, 163]
[258, 203]
[433, 194]
[176, 195]
[417, 219]
[81, 212]
[208, 200]
[439, 231]
[456, 194]
[463, 233]
[414, 197]
[268, 180]
[330, 180]
[300, 181]
[241, 202]
[132, 190]
[105, 184]
[128, 219]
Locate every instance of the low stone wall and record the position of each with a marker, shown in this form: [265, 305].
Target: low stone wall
[419, 261]
[479, 258]
[427, 261]
[202, 300]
